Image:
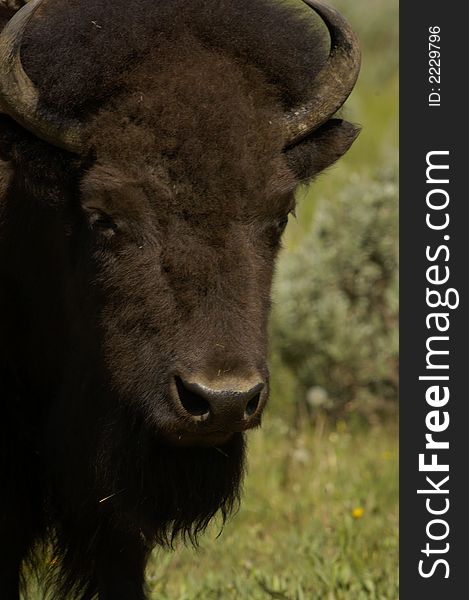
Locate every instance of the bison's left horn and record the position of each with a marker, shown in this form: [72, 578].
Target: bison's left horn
[19, 98]
[335, 81]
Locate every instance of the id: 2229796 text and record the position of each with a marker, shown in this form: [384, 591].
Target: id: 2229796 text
[434, 65]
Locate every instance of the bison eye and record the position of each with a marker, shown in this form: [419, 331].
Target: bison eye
[274, 230]
[282, 223]
[102, 222]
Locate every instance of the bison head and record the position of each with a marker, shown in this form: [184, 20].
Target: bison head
[158, 220]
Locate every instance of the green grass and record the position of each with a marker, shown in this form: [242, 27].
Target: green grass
[296, 536]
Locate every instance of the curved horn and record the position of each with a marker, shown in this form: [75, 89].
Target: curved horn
[335, 81]
[19, 98]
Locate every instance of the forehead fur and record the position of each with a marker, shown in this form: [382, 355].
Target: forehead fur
[196, 122]
[92, 43]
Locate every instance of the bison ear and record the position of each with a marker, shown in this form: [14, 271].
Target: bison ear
[321, 149]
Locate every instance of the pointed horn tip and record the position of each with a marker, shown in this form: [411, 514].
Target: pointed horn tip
[338, 26]
[335, 81]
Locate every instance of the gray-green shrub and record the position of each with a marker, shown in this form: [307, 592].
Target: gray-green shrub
[336, 313]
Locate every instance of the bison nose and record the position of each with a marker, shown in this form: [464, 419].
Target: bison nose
[232, 405]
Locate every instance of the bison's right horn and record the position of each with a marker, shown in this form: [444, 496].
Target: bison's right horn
[19, 98]
[335, 81]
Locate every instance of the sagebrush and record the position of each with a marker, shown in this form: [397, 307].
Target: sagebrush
[335, 321]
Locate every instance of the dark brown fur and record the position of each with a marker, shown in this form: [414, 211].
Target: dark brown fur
[155, 251]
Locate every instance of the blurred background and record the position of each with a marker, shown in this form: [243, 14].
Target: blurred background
[319, 516]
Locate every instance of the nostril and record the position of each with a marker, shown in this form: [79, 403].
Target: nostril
[193, 403]
[252, 405]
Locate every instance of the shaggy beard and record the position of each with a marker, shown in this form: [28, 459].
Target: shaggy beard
[166, 493]
[150, 491]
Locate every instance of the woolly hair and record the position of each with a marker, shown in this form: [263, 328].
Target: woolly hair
[77, 50]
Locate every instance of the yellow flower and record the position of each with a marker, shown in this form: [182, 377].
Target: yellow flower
[357, 513]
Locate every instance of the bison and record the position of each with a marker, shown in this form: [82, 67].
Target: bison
[150, 151]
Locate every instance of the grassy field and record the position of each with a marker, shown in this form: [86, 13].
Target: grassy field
[318, 521]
